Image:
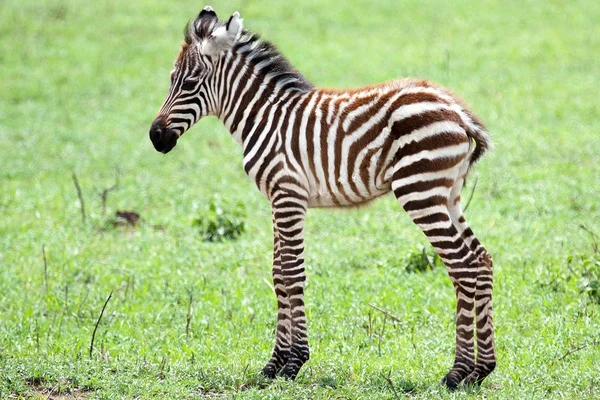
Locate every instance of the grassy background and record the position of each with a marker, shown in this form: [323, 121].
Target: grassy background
[80, 83]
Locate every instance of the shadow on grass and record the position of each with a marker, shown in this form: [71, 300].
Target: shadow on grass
[400, 387]
[217, 383]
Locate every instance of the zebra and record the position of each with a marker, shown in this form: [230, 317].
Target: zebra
[306, 147]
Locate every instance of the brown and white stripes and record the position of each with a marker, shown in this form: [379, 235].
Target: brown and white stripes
[307, 147]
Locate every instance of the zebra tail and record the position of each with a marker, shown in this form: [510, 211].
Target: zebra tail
[478, 132]
[483, 143]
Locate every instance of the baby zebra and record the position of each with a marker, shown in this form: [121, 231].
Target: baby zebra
[308, 147]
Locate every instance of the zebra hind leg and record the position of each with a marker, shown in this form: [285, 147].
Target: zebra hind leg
[486, 351]
[283, 338]
[426, 197]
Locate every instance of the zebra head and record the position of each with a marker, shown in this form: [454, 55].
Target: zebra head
[192, 92]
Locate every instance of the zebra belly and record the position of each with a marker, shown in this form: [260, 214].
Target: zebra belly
[344, 196]
[362, 182]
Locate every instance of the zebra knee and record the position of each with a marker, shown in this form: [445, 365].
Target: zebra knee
[486, 258]
[483, 256]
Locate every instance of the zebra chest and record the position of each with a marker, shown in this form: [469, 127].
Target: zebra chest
[263, 167]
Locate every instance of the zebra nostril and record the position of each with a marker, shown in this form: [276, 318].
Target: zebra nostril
[155, 132]
[162, 138]
[169, 140]
[156, 135]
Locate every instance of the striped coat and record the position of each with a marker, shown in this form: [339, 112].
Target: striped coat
[306, 147]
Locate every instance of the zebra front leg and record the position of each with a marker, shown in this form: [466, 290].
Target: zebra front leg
[289, 212]
[283, 339]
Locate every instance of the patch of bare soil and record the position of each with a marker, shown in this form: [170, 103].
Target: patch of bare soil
[40, 389]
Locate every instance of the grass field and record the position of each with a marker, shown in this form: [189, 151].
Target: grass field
[80, 83]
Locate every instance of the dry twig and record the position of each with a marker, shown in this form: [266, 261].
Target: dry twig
[385, 313]
[593, 343]
[471, 195]
[98, 323]
[189, 316]
[45, 267]
[80, 195]
[381, 335]
[163, 364]
[593, 236]
[370, 327]
[389, 381]
[105, 192]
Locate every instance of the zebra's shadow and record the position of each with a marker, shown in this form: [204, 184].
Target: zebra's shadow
[219, 382]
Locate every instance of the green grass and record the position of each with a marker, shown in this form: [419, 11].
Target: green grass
[80, 83]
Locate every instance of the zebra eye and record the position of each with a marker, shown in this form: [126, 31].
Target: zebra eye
[189, 84]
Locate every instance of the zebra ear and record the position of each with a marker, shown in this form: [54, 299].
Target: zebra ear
[222, 38]
[207, 12]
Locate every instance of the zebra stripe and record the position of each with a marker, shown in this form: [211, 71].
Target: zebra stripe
[306, 147]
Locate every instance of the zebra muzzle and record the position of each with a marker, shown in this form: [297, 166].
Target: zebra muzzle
[163, 139]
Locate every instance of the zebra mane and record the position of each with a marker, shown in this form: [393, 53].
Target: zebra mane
[272, 62]
[252, 47]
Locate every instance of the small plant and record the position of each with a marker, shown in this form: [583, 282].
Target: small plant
[419, 259]
[584, 269]
[221, 222]
[590, 279]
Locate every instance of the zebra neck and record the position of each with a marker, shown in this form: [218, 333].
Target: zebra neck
[251, 82]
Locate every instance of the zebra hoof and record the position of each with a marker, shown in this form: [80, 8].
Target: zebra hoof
[479, 374]
[472, 379]
[289, 372]
[269, 371]
[451, 382]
